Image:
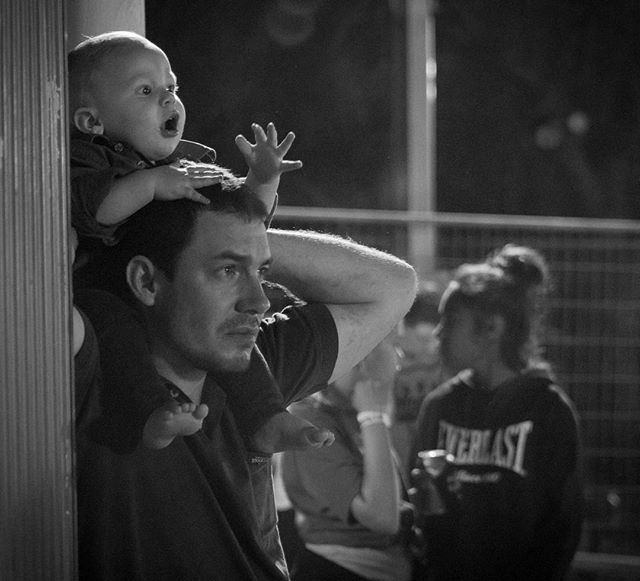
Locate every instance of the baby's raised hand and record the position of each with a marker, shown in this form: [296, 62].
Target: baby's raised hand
[265, 157]
[173, 182]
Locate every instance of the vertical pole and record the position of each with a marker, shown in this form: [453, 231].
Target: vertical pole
[37, 498]
[91, 17]
[37, 520]
[421, 129]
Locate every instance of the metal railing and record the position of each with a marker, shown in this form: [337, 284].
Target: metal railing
[593, 338]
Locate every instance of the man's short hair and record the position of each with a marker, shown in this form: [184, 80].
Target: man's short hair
[161, 230]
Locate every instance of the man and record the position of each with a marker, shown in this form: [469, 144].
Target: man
[202, 508]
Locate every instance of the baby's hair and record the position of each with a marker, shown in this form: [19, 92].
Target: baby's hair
[513, 282]
[89, 55]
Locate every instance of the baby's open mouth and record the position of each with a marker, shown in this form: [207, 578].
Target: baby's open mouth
[170, 126]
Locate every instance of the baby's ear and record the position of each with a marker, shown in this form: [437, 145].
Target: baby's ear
[86, 121]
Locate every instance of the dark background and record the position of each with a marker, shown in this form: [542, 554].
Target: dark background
[537, 111]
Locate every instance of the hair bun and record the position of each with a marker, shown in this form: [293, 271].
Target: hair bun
[523, 264]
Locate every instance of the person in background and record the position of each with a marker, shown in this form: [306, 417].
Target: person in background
[348, 497]
[512, 492]
[420, 368]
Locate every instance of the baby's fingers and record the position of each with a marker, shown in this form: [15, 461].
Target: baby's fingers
[196, 197]
[204, 171]
[288, 165]
[243, 145]
[284, 147]
[272, 134]
[259, 133]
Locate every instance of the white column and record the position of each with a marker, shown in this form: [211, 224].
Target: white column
[91, 17]
[37, 517]
[37, 494]
[421, 129]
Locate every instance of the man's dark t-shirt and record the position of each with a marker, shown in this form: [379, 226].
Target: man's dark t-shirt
[202, 508]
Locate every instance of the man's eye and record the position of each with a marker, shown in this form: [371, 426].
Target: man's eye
[230, 270]
[263, 271]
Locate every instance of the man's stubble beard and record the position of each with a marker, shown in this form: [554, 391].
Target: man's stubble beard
[217, 364]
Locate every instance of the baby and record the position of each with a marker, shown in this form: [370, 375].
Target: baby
[126, 150]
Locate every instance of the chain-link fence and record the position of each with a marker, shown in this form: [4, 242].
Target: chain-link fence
[593, 337]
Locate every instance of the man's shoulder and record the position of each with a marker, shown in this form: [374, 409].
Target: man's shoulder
[301, 347]
[299, 326]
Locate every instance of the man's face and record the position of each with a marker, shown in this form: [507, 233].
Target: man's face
[207, 317]
[134, 94]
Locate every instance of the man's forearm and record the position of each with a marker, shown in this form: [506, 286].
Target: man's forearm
[366, 290]
[332, 270]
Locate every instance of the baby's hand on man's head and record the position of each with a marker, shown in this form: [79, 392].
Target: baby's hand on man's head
[172, 182]
[265, 158]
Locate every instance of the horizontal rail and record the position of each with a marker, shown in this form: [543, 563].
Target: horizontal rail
[626, 565]
[593, 452]
[341, 215]
[621, 488]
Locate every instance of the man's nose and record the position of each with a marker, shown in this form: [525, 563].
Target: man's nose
[253, 299]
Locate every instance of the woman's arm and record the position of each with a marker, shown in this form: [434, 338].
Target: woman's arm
[378, 505]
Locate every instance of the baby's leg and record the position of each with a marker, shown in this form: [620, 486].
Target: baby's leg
[132, 390]
[171, 420]
[285, 431]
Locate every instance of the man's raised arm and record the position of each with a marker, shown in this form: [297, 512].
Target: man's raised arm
[366, 290]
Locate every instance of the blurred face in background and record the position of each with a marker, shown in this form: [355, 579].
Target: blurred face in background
[418, 343]
[462, 341]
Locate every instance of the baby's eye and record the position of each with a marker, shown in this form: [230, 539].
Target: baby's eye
[145, 90]
[173, 89]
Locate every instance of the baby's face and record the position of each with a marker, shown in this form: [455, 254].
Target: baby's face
[134, 94]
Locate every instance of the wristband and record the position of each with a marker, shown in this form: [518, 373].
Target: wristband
[369, 418]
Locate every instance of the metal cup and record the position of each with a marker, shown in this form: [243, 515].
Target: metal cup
[429, 499]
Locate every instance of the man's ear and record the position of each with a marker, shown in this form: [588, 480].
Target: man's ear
[143, 278]
[86, 120]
